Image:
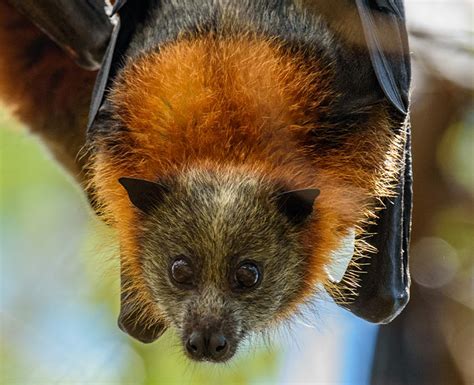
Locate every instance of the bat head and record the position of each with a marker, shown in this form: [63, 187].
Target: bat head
[221, 256]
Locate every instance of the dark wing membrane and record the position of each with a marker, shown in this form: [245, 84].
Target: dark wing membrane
[385, 282]
[80, 27]
[127, 15]
[383, 22]
[102, 79]
[117, 6]
[105, 69]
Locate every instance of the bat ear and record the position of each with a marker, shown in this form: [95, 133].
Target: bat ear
[297, 205]
[135, 318]
[138, 326]
[144, 195]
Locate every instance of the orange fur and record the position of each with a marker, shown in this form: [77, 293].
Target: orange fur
[239, 103]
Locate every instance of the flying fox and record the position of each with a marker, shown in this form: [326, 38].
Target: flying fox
[249, 154]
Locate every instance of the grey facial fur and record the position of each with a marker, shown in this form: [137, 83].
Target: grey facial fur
[217, 220]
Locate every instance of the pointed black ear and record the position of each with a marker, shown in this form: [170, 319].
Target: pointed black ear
[297, 205]
[144, 195]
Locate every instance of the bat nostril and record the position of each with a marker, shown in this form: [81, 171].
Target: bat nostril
[195, 345]
[221, 345]
[218, 345]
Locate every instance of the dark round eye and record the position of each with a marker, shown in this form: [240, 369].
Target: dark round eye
[247, 275]
[182, 272]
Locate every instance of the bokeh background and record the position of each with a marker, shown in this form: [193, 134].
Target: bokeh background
[59, 281]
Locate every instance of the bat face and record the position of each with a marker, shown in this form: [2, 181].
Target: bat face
[221, 255]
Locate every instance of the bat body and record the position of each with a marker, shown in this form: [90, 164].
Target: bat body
[238, 148]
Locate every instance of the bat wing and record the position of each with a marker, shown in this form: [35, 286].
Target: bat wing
[385, 282]
[383, 22]
[131, 13]
[80, 27]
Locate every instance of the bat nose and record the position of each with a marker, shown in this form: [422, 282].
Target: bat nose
[195, 345]
[207, 345]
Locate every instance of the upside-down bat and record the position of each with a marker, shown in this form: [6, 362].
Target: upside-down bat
[248, 153]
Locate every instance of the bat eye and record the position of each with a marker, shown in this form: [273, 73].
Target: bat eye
[182, 272]
[247, 275]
